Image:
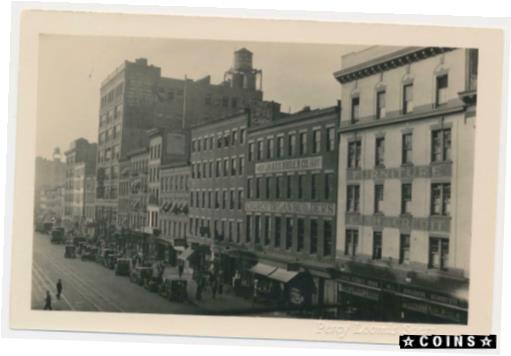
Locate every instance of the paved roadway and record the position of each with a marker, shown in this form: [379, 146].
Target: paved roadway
[88, 286]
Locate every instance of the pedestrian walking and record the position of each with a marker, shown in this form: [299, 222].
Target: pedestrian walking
[59, 288]
[47, 301]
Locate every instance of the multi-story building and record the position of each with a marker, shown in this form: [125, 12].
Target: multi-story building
[405, 181]
[174, 204]
[49, 174]
[136, 98]
[137, 189]
[217, 187]
[52, 203]
[291, 188]
[80, 163]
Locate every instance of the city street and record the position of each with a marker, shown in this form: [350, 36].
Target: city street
[88, 286]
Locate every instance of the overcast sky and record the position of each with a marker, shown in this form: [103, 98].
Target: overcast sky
[72, 68]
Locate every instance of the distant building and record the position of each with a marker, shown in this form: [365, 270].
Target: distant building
[49, 174]
[405, 182]
[136, 98]
[80, 164]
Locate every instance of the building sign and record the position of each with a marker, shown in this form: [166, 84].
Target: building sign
[360, 292]
[437, 170]
[283, 207]
[289, 165]
[432, 223]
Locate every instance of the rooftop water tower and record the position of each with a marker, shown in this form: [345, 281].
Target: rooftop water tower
[242, 75]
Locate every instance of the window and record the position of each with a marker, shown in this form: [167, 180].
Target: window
[227, 139]
[259, 185]
[257, 229]
[234, 138]
[355, 109]
[278, 184]
[441, 145]
[316, 141]
[328, 241]
[226, 167]
[268, 187]
[289, 187]
[210, 168]
[404, 249]
[301, 234]
[278, 230]
[249, 188]
[218, 170]
[314, 186]
[248, 228]
[377, 245]
[289, 233]
[438, 253]
[224, 199]
[442, 82]
[242, 136]
[313, 236]
[380, 104]
[205, 169]
[407, 98]
[260, 149]
[242, 165]
[266, 230]
[329, 186]
[233, 198]
[354, 149]
[233, 166]
[380, 152]
[217, 199]
[234, 102]
[301, 187]
[251, 152]
[219, 142]
[440, 199]
[378, 198]
[330, 143]
[231, 230]
[207, 100]
[406, 148]
[353, 198]
[269, 148]
[280, 147]
[291, 145]
[303, 143]
[351, 242]
[240, 199]
[406, 198]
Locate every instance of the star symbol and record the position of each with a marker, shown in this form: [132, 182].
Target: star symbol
[408, 342]
[486, 342]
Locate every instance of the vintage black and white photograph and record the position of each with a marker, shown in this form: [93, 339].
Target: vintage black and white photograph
[198, 176]
[254, 179]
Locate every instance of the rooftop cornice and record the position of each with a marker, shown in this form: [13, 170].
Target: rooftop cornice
[389, 61]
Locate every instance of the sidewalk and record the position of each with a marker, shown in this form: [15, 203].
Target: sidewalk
[225, 303]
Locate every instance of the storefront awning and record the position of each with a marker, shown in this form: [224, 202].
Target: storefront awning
[263, 269]
[283, 275]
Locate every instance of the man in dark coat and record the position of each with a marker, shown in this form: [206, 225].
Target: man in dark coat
[47, 301]
[59, 288]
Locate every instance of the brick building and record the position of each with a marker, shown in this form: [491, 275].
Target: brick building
[405, 181]
[136, 98]
[291, 188]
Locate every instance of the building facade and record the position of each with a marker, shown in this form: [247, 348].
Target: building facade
[291, 189]
[137, 193]
[80, 163]
[174, 202]
[49, 174]
[405, 180]
[136, 98]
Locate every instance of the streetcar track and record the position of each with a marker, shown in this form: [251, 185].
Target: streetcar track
[88, 298]
[45, 279]
[85, 285]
